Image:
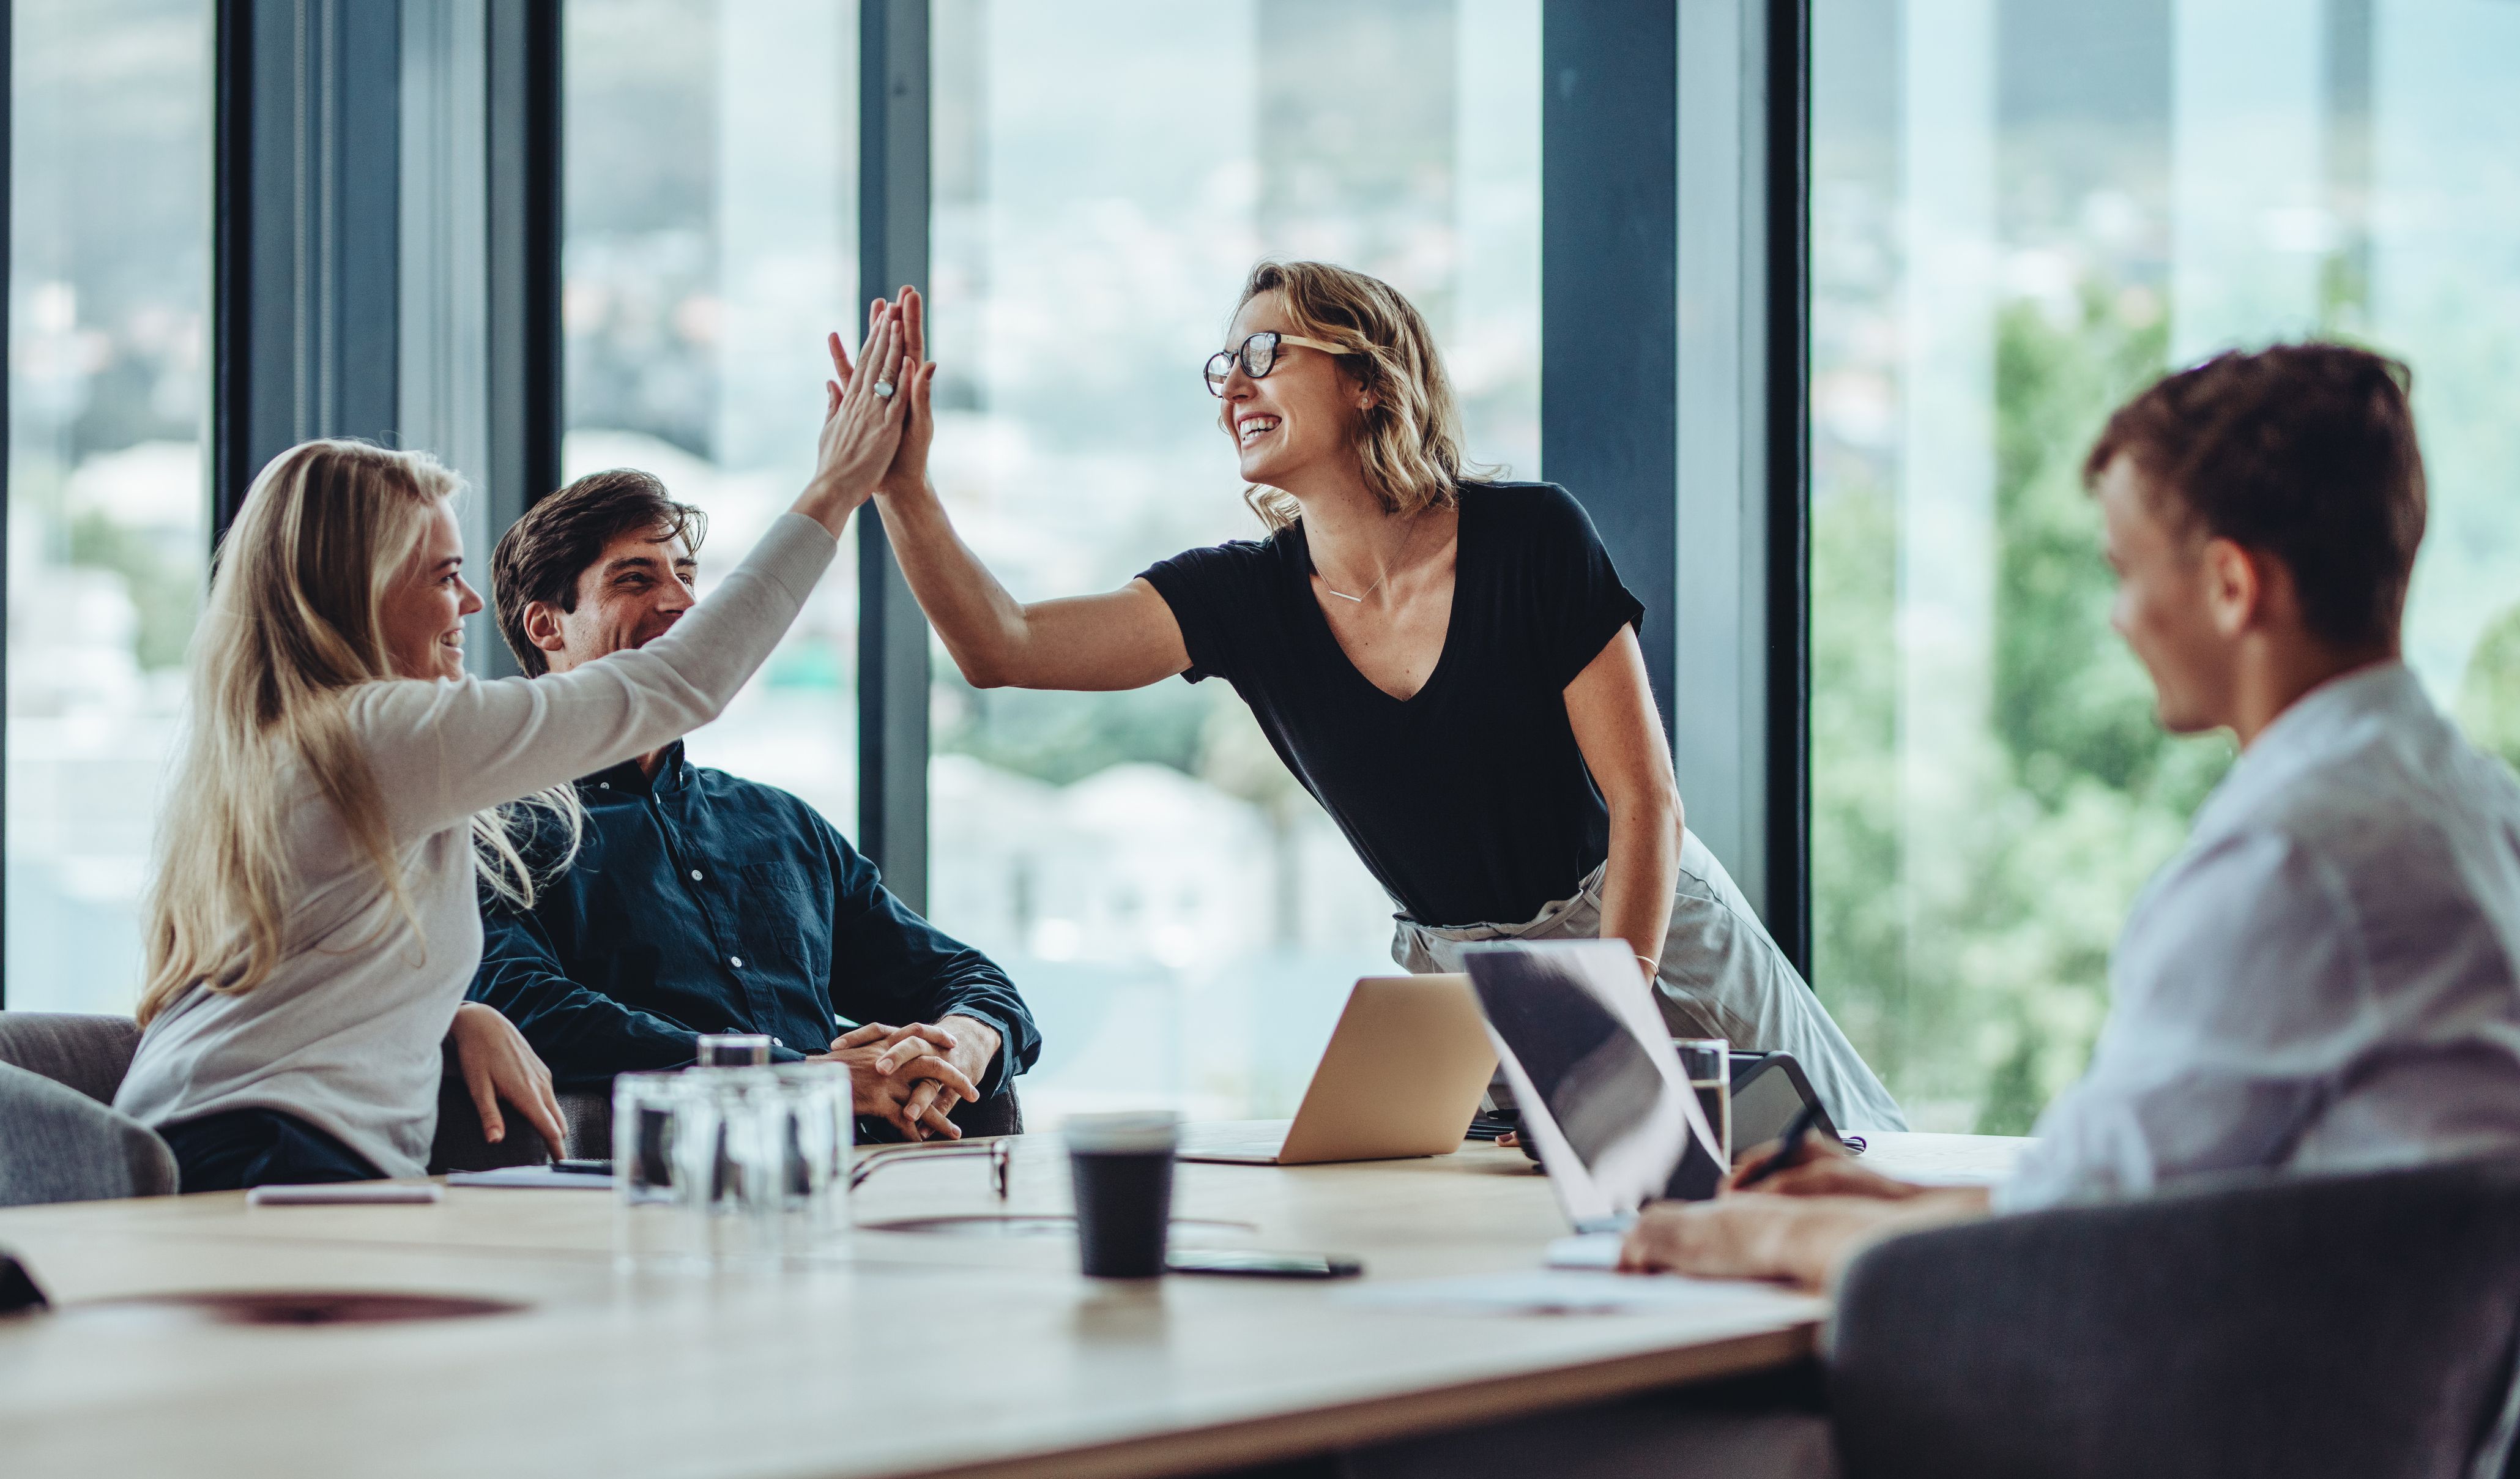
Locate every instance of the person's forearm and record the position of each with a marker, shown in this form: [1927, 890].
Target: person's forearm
[1828, 1244]
[980, 624]
[1644, 865]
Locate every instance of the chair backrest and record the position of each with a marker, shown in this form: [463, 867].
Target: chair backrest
[90, 1054]
[2355, 1325]
[59, 1144]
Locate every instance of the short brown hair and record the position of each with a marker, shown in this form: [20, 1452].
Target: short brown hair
[2304, 452]
[1410, 443]
[543, 554]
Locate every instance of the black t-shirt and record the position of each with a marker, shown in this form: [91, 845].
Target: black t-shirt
[1469, 800]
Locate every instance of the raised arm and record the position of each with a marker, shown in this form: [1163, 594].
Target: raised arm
[443, 751]
[1122, 639]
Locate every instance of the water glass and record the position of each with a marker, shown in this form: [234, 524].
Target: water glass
[1708, 1062]
[654, 1214]
[818, 1119]
[734, 1049]
[730, 1159]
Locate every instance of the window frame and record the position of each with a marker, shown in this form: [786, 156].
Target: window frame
[1675, 162]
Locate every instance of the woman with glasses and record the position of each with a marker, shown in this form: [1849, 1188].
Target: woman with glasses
[1448, 664]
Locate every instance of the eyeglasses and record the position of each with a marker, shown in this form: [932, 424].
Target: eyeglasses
[999, 1150]
[1259, 356]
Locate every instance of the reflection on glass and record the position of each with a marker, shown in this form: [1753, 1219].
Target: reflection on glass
[711, 240]
[2020, 213]
[1185, 921]
[109, 174]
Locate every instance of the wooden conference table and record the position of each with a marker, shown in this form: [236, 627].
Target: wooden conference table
[889, 1352]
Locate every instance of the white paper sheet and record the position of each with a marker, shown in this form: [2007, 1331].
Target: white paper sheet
[1585, 1250]
[537, 1177]
[1566, 1292]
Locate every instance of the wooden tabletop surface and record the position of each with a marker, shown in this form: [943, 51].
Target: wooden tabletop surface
[877, 1353]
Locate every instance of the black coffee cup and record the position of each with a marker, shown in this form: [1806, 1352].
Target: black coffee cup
[1122, 1166]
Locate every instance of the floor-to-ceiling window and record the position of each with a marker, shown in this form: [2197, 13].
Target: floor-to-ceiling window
[2021, 211]
[710, 192]
[1183, 918]
[109, 273]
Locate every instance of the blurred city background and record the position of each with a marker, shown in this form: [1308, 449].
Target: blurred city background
[2020, 211]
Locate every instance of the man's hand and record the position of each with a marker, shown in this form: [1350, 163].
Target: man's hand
[1800, 1240]
[888, 1067]
[974, 1045]
[1819, 1169]
[1748, 1236]
[498, 1064]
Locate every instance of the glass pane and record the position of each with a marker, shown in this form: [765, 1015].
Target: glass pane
[108, 515]
[711, 240]
[2022, 212]
[1183, 918]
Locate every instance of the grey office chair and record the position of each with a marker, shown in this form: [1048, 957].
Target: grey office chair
[53, 1150]
[2357, 1326]
[60, 1140]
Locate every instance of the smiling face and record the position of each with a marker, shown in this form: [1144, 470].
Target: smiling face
[422, 612]
[640, 586]
[1300, 420]
[2184, 602]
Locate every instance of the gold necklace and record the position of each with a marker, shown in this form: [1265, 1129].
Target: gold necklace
[1405, 547]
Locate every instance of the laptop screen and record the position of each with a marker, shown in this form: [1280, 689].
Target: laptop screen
[1591, 1065]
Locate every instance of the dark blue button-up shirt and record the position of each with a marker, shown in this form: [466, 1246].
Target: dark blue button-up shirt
[706, 902]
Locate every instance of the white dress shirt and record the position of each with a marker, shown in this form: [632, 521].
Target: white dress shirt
[2323, 979]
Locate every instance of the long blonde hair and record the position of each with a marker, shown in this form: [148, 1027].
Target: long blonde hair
[294, 624]
[1409, 440]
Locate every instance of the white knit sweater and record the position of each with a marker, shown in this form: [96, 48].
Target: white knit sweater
[344, 1034]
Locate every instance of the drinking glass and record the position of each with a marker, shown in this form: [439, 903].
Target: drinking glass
[730, 1157]
[655, 1213]
[1708, 1062]
[817, 1118]
[734, 1049]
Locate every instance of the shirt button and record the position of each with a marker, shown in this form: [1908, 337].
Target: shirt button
[736, 961]
[695, 876]
[603, 785]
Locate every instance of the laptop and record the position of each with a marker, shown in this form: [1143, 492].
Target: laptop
[1602, 1092]
[1404, 1073]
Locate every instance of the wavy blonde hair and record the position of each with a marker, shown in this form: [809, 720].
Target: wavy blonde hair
[1409, 440]
[294, 624]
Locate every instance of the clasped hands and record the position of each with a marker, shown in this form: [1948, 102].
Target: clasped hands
[911, 1077]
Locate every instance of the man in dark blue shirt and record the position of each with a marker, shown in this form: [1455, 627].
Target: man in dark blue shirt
[698, 902]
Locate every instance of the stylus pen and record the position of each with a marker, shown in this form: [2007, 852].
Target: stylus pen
[1788, 1146]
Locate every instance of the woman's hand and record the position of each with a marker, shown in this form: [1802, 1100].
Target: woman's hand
[861, 430]
[499, 1065]
[908, 471]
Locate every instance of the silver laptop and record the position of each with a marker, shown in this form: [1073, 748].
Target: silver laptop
[1401, 1076]
[1600, 1090]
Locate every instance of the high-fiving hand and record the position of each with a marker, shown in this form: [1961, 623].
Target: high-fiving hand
[909, 467]
[860, 426]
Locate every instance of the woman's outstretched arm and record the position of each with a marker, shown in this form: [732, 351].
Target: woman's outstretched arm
[1610, 707]
[1122, 639]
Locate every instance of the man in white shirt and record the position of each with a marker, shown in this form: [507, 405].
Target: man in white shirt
[2324, 980]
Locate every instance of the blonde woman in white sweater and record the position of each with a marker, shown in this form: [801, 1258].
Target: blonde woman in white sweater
[312, 921]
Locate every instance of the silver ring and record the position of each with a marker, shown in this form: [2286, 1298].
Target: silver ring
[884, 389]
